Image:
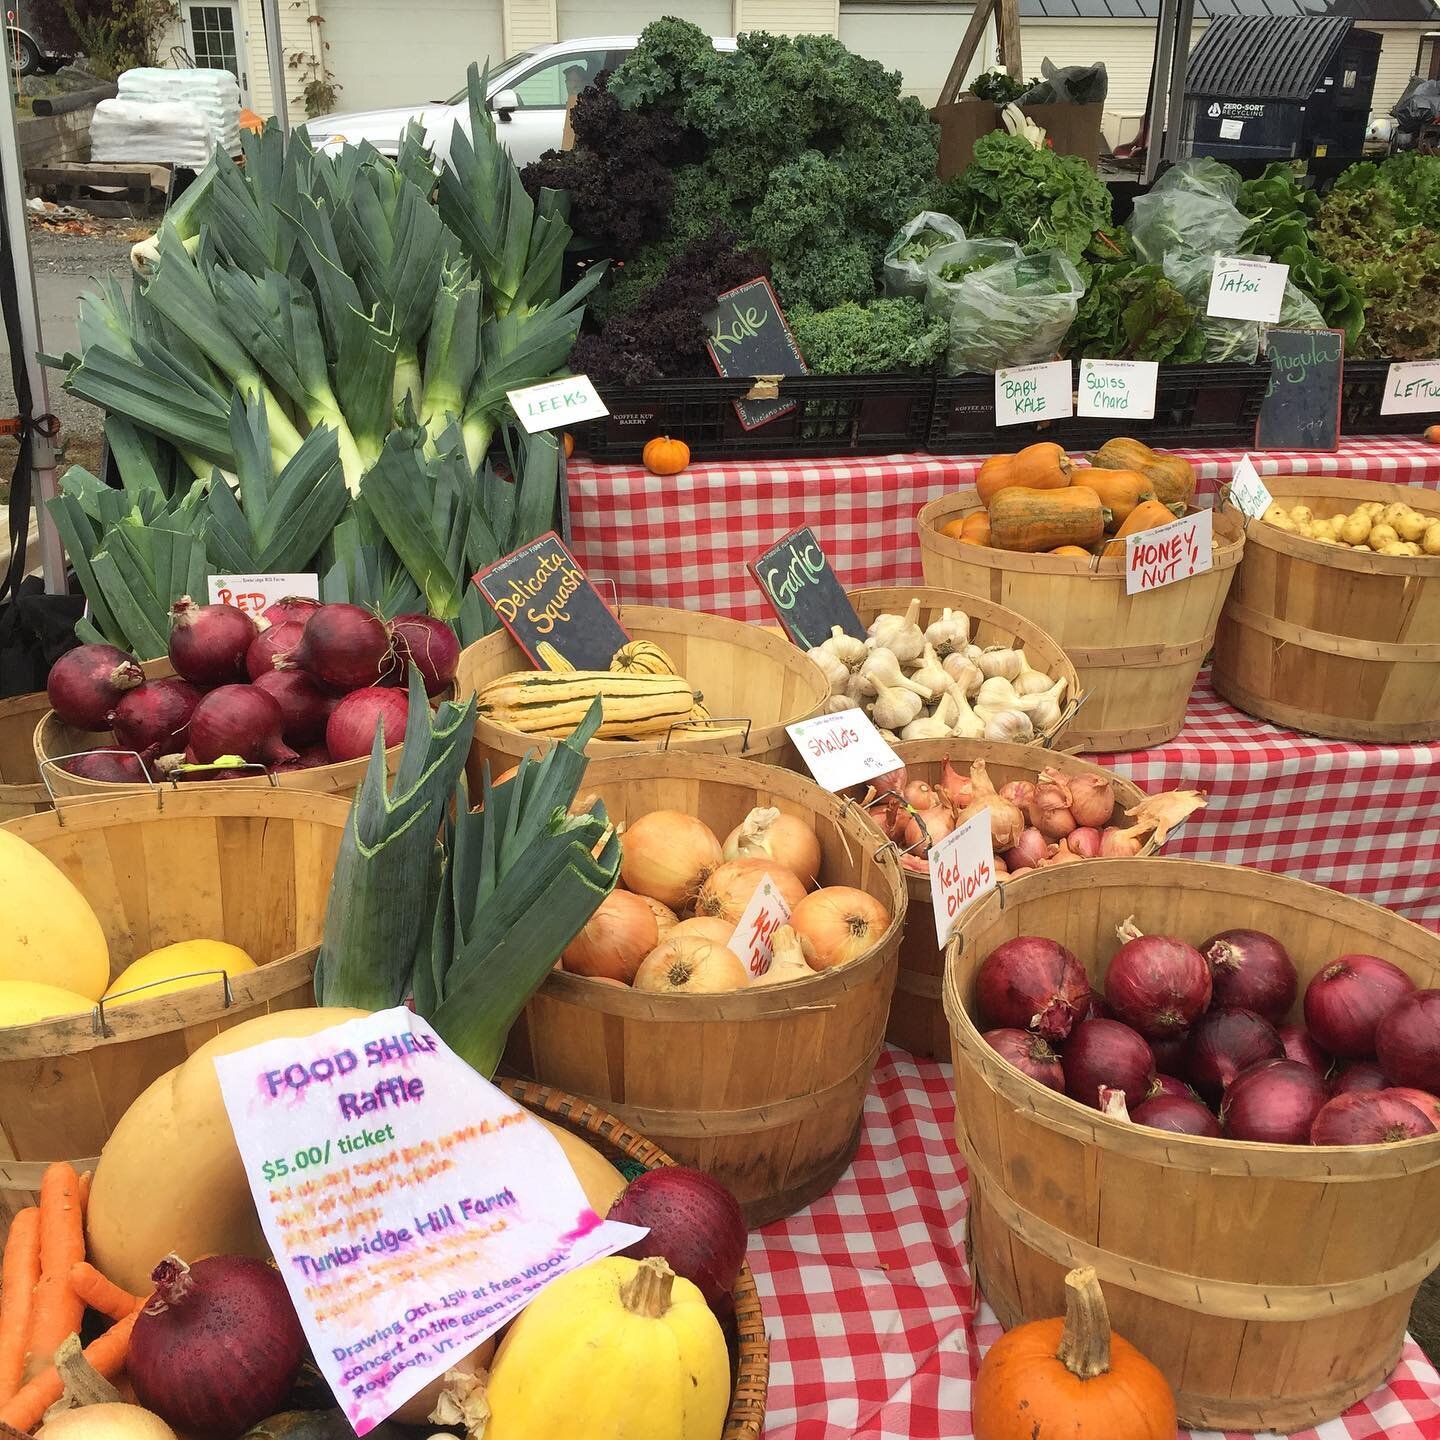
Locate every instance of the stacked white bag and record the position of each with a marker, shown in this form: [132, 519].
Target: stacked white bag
[167, 117]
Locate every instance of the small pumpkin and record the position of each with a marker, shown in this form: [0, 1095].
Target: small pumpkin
[1044, 466]
[568, 440]
[1071, 1379]
[1034, 520]
[1433, 434]
[664, 456]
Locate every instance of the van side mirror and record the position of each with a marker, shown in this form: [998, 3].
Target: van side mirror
[504, 103]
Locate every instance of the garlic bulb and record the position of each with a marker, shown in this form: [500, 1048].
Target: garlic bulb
[835, 704]
[973, 653]
[881, 668]
[948, 633]
[1009, 725]
[969, 726]
[998, 691]
[999, 661]
[1046, 715]
[1030, 681]
[1050, 695]
[963, 672]
[896, 707]
[845, 647]
[859, 689]
[925, 727]
[835, 670]
[930, 674]
[900, 634]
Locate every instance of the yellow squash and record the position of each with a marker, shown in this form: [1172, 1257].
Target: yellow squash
[48, 932]
[181, 966]
[620, 1348]
[23, 1002]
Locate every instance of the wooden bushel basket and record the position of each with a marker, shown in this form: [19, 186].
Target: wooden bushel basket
[762, 1087]
[209, 862]
[21, 790]
[917, 1016]
[1331, 640]
[1271, 1283]
[754, 684]
[1138, 655]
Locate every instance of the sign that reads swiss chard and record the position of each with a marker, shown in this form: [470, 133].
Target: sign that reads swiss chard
[747, 336]
[545, 601]
[803, 591]
[1301, 410]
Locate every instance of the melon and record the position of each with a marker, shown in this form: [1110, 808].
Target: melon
[181, 966]
[23, 1002]
[48, 932]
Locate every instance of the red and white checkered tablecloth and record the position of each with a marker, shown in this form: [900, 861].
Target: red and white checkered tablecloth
[875, 1325]
[685, 540]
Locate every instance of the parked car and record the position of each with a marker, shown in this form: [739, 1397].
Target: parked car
[528, 93]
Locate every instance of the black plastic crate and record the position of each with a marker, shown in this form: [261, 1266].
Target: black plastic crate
[1361, 392]
[833, 415]
[1195, 405]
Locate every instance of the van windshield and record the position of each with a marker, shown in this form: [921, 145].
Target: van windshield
[499, 69]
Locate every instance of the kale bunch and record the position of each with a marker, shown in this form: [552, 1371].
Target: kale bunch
[880, 337]
[1132, 312]
[999, 88]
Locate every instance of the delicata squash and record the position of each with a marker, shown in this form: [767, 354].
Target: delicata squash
[1036, 520]
[1037, 467]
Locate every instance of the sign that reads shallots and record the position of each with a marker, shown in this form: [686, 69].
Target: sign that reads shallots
[842, 750]
[962, 869]
[1168, 553]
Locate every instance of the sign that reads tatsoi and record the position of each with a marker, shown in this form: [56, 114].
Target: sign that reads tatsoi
[1242, 289]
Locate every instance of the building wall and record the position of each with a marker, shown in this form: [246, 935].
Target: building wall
[918, 40]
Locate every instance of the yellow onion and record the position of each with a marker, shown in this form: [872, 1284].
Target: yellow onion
[727, 890]
[838, 924]
[709, 927]
[769, 834]
[665, 918]
[614, 940]
[691, 965]
[667, 856]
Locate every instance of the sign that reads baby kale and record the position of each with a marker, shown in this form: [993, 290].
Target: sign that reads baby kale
[748, 336]
[1034, 392]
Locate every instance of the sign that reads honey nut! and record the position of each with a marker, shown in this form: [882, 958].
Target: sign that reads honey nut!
[545, 600]
[1168, 553]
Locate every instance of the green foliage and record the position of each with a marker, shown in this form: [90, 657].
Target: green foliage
[114, 35]
[999, 88]
[883, 336]
[1132, 312]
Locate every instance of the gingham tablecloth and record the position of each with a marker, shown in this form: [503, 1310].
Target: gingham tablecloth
[875, 1325]
[685, 540]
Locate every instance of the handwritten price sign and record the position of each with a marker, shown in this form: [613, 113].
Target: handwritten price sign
[754, 937]
[1169, 553]
[962, 869]
[255, 594]
[842, 750]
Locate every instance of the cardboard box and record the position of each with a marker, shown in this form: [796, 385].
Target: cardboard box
[1073, 129]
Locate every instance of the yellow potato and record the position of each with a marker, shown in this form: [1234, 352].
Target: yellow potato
[1322, 530]
[1398, 548]
[1412, 525]
[1274, 514]
[1326, 539]
[1356, 530]
[1305, 529]
[1430, 541]
[1372, 507]
[1284, 522]
[1410, 547]
[1301, 514]
[1381, 536]
[1337, 520]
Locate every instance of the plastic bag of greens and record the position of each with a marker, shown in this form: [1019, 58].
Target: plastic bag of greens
[917, 239]
[1068, 84]
[1235, 342]
[1298, 311]
[947, 268]
[1014, 312]
[1190, 211]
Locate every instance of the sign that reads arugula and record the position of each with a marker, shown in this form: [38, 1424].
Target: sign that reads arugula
[747, 336]
[1301, 409]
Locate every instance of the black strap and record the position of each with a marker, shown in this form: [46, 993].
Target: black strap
[21, 498]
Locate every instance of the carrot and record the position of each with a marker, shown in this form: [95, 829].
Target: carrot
[18, 1276]
[99, 1293]
[107, 1355]
[57, 1311]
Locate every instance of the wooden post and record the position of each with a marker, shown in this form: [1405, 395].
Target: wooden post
[969, 43]
[1010, 38]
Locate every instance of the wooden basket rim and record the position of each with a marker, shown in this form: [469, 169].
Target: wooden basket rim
[746, 1416]
[1222, 1157]
[1229, 534]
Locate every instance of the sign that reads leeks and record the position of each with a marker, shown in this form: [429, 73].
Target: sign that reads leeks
[556, 403]
[545, 600]
[803, 592]
[747, 336]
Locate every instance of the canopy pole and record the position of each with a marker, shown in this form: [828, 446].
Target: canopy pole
[275, 55]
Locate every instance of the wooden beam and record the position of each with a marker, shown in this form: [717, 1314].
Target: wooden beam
[1010, 39]
[970, 42]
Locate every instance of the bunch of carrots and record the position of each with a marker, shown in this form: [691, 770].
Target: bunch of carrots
[45, 1285]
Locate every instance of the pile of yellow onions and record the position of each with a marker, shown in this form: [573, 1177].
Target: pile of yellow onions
[770, 834]
[668, 856]
[730, 888]
[838, 924]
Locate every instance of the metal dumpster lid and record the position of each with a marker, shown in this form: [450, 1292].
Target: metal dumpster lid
[1255, 57]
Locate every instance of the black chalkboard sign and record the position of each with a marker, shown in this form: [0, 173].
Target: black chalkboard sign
[803, 591]
[545, 601]
[747, 336]
[1301, 410]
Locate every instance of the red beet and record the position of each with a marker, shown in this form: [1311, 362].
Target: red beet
[1369, 1117]
[1253, 970]
[1109, 1054]
[154, 718]
[208, 643]
[350, 730]
[344, 647]
[86, 684]
[1156, 984]
[238, 720]
[1274, 1102]
[430, 646]
[305, 706]
[1180, 1114]
[1031, 983]
[1349, 998]
[272, 641]
[1407, 1041]
[1029, 1053]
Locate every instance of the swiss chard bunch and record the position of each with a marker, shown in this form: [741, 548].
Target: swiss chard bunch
[1132, 312]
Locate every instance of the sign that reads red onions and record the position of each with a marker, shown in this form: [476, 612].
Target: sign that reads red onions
[962, 869]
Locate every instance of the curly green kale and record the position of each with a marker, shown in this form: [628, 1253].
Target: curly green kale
[882, 337]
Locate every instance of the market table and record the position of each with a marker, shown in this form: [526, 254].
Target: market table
[875, 1324]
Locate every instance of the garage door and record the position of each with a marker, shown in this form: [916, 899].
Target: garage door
[630, 17]
[387, 54]
[919, 42]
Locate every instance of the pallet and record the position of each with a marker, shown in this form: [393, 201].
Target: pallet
[143, 186]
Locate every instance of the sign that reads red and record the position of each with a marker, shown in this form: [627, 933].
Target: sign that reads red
[1168, 553]
[754, 937]
[962, 868]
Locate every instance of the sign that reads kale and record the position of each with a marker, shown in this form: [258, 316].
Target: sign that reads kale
[747, 336]
[803, 591]
[545, 601]
[1301, 410]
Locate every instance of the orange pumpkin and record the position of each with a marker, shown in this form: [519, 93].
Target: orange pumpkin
[664, 456]
[1433, 434]
[1071, 1379]
[1074, 550]
[569, 442]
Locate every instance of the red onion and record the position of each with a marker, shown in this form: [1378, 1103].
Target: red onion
[308, 758]
[1084, 842]
[218, 1346]
[1359, 1075]
[1423, 1100]
[1369, 1117]
[1095, 1008]
[208, 643]
[1169, 1085]
[1253, 970]
[237, 720]
[155, 717]
[1019, 793]
[1031, 983]
[1092, 800]
[1407, 1041]
[1349, 998]
[1155, 983]
[114, 767]
[1273, 1102]
[1105, 1052]
[298, 608]
[1029, 851]
[431, 647]
[1169, 1053]
[1180, 1114]
[1224, 1042]
[695, 1224]
[86, 684]
[344, 647]
[1030, 1053]
[305, 706]
[1300, 1046]
[350, 731]
[272, 641]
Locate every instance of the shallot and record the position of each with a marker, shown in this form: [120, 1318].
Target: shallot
[1031, 983]
[354, 723]
[1083, 842]
[1107, 1053]
[344, 647]
[1225, 1041]
[1156, 983]
[1407, 1041]
[1050, 810]
[155, 717]
[1006, 820]
[1092, 800]
[1253, 970]
[430, 646]
[1347, 1000]
[1029, 1053]
[1028, 852]
[1369, 1117]
[958, 789]
[1179, 1114]
[86, 684]
[1273, 1102]
[208, 643]
[239, 720]
[1019, 792]
[925, 828]
[1118, 844]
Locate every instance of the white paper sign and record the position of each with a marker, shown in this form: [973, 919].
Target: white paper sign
[1412, 387]
[1034, 392]
[255, 594]
[412, 1207]
[1247, 490]
[1247, 289]
[1117, 389]
[556, 403]
[842, 750]
[754, 934]
[1168, 553]
[962, 868]
[1231, 129]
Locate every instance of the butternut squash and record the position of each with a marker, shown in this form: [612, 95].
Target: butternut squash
[1078, 551]
[1172, 476]
[1120, 491]
[1035, 520]
[1146, 516]
[1037, 467]
[976, 528]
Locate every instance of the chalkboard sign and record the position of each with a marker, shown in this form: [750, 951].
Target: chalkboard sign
[747, 336]
[545, 601]
[1301, 410]
[803, 591]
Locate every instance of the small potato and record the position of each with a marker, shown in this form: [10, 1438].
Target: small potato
[1301, 514]
[1381, 536]
[1398, 548]
[1275, 512]
[1372, 507]
[1327, 539]
[1322, 530]
[1411, 547]
[1305, 529]
[1283, 522]
[1430, 541]
[1336, 521]
[1394, 512]
[1355, 530]
[1412, 525]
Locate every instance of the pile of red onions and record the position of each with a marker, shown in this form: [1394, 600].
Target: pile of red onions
[1346, 1001]
[1030, 983]
[1105, 1053]
[1029, 1053]
[1274, 1102]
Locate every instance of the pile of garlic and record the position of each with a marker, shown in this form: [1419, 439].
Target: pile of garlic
[930, 684]
[1395, 529]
